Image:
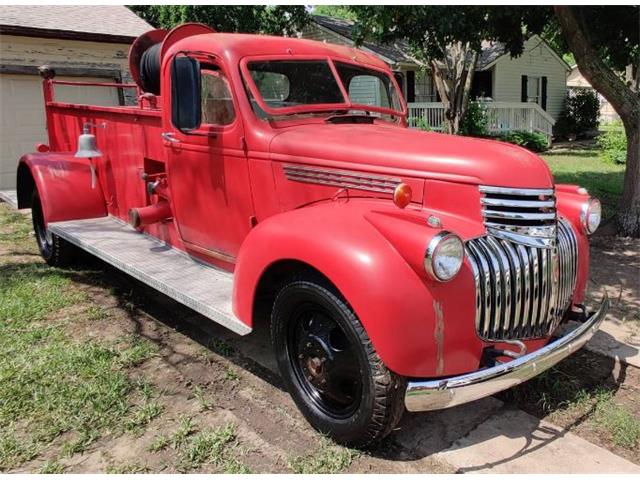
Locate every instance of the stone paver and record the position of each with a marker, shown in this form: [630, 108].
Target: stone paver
[512, 441]
[10, 197]
[614, 340]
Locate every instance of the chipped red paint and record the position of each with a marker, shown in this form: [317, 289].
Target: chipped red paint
[233, 206]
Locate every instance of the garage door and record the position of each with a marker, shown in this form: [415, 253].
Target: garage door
[22, 124]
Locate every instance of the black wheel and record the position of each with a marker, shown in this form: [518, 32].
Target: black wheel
[330, 367]
[55, 251]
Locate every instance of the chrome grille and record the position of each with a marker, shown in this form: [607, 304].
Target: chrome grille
[523, 215]
[522, 292]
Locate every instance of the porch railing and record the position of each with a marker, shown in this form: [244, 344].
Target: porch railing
[501, 117]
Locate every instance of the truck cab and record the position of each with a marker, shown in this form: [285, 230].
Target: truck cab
[269, 179]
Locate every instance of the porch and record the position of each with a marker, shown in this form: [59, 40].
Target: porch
[502, 117]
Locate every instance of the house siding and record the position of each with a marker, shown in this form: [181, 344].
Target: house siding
[537, 60]
[30, 51]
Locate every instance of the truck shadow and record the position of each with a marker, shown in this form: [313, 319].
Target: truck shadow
[419, 435]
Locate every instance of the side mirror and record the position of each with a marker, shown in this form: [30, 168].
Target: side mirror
[185, 93]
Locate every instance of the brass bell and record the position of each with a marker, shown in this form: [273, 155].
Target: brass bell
[87, 144]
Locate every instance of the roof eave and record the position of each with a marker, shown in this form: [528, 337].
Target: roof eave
[361, 47]
[23, 31]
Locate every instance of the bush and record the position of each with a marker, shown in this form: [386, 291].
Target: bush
[536, 142]
[422, 124]
[475, 122]
[614, 146]
[580, 115]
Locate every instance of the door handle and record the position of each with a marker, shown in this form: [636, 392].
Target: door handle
[169, 137]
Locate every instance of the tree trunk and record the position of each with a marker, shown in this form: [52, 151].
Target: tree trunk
[453, 77]
[623, 99]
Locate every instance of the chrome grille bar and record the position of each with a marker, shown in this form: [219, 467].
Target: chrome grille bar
[518, 295]
[521, 215]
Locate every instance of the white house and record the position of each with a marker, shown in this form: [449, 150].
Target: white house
[521, 93]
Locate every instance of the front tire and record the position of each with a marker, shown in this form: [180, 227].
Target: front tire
[330, 367]
[56, 251]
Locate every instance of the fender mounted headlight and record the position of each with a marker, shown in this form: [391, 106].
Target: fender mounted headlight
[591, 215]
[444, 257]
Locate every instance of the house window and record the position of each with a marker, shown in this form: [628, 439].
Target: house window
[534, 90]
[425, 89]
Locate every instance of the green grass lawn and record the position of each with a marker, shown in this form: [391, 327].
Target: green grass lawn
[587, 169]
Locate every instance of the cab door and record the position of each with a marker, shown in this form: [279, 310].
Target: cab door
[208, 173]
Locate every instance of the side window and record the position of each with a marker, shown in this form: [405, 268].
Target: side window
[217, 103]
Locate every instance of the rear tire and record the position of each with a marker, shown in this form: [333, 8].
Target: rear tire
[56, 251]
[330, 367]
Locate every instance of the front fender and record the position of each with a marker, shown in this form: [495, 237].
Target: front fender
[570, 200]
[64, 186]
[420, 328]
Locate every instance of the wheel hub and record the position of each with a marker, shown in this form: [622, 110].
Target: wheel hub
[326, 362]
[314, 367]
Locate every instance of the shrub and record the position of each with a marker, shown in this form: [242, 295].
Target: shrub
[580, 115]
[474, 122]
[614, 146]
[533, 141]
[422, 124]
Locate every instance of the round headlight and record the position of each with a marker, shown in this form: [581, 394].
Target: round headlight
[591, 215]
[445, 255]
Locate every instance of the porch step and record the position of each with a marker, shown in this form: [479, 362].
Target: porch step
[205, 289]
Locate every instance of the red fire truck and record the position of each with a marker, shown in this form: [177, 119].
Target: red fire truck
[268, 179]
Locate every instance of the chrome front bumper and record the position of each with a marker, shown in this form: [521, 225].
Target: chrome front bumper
[449, 392]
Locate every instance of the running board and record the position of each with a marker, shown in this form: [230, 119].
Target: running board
[205, 289]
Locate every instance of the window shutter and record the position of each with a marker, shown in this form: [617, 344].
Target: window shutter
[543, 94]
[411, 86]
[523, 94]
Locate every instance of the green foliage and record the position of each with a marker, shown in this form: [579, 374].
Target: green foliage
[51, 467]
[336, 11]
[269, 19]
[212, 447]
[475, 122]
[614, 33]
[127, 468]
[580, 114]
[330, 458]
[587, 168]
[50, 384]
[536, 142]
[620, 422]
[428, 29]
[614, 146]
[422, 124]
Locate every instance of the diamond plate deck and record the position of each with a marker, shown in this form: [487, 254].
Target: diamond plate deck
[205, 289]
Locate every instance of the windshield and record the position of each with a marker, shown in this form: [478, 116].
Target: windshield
[368, 87]
[305, 86]
[285, 83]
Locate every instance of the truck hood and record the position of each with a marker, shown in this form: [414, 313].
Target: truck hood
[393, 150]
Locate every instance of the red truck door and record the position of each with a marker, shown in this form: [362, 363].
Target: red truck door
[208, 173]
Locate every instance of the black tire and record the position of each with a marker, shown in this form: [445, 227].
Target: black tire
[358, 414]
[56, 251]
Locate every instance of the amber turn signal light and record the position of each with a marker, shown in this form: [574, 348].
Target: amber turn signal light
[402, 195]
